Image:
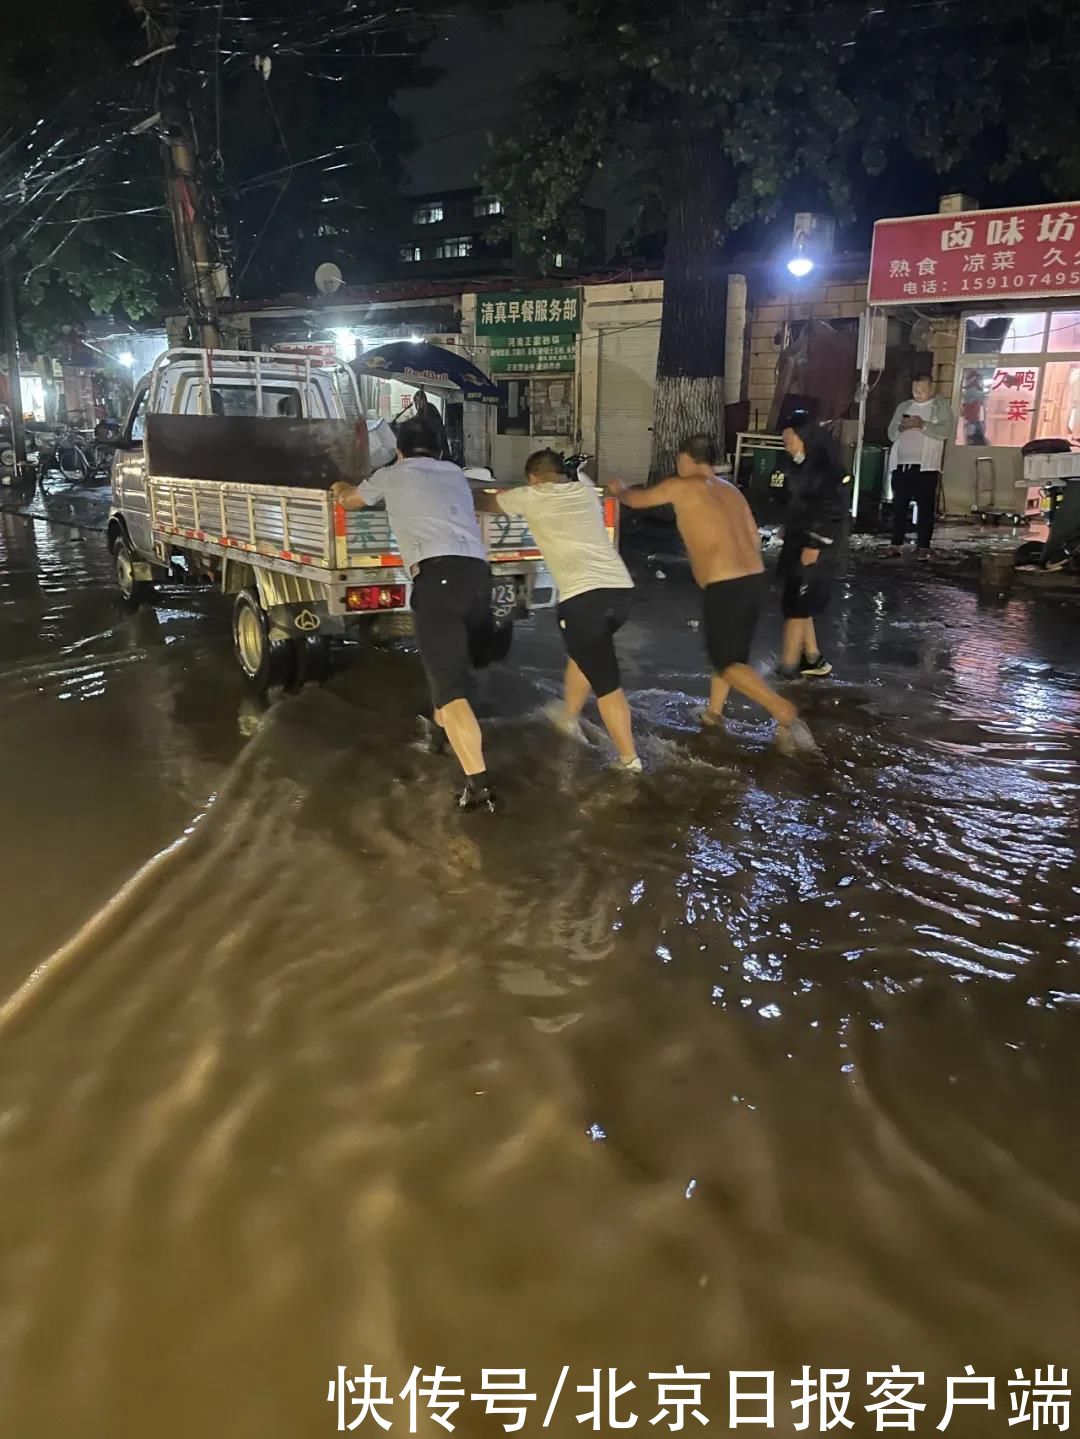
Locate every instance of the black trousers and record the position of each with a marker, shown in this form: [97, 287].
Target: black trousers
[909, 483]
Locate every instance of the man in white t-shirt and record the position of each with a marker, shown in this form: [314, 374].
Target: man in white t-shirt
[567, 522]
[919, 428]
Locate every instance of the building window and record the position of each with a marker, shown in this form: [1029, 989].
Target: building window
[409, 254]
[428, 214]
[559, 260]
[483, 206]
[456, 249]
[539, 406]
[1008, 392]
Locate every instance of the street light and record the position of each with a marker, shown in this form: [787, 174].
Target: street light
[800, 263]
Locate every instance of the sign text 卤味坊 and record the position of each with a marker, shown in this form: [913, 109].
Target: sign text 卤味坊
[530, 333]
[1027, 253]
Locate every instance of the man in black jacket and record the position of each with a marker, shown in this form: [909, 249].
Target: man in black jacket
[818, 493]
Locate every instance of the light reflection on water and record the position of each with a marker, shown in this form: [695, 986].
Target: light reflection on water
[344, 1076]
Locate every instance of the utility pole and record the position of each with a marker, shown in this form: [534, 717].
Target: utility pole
[199, 271]
[11, 346]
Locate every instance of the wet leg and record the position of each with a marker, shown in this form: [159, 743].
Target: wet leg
[463, 731]
[718, 694]
[748, 682]
[615, 712]
[576, 689]
[794, 643]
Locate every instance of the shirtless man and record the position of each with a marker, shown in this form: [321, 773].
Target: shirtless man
[722, 541]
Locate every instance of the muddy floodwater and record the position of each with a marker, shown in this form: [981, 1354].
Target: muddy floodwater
[749, 1064]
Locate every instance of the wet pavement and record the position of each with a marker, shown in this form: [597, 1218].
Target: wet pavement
[748, 1065]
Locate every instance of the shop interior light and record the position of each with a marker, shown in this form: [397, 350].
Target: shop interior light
[127, 359]
[345, 344]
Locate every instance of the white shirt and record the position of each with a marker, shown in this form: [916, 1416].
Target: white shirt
[567, 522]
[916, 447]
[431, 509]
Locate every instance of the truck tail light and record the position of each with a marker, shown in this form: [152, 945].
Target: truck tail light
[366, 598]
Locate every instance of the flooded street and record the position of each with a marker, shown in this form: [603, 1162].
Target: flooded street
[746, 1065]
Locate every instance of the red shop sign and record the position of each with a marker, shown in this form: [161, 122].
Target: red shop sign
[1028, 253]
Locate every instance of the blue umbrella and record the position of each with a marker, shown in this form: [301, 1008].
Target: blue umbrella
[423, 364]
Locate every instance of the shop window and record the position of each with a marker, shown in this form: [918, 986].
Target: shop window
[541, 406]
[428, 214]
[1007, 334]
[1059, 406]
[1064, 331]
[484, 206]
[459, 248]
[997, 405]
[513, 418]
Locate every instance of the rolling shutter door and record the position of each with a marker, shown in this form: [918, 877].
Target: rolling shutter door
[625, 409]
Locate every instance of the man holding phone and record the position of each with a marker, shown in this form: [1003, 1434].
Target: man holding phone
[918, 429]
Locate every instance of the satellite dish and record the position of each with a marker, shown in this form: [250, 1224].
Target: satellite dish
[328, 278]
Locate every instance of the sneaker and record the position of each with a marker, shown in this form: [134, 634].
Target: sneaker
[795, 739]
[628, 766]
[923, 555]
[568, 725]
[709, 719]
[474, 797]
[788, 672]
[815, 665]
[892, 552]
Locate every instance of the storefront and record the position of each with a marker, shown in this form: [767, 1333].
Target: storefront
[528, 343]
[1010, 280]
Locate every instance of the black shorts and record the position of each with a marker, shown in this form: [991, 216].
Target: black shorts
[732, 610]
[588, 623]
[451, 601]
[806, 589]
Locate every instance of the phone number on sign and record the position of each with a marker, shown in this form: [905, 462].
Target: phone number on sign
[819, 1400]
[1057, 278]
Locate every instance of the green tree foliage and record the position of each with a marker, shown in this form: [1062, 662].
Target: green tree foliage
[722, 114]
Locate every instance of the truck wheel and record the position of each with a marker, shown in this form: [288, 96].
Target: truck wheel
[133, 592]
[267, 663]
[313, 666]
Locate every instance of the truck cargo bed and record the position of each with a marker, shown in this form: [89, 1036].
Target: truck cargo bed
[301, 526]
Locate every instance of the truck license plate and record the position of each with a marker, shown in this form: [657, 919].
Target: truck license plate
[503, 598]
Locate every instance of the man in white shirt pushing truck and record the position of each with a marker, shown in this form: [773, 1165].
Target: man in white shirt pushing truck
[567, 522]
